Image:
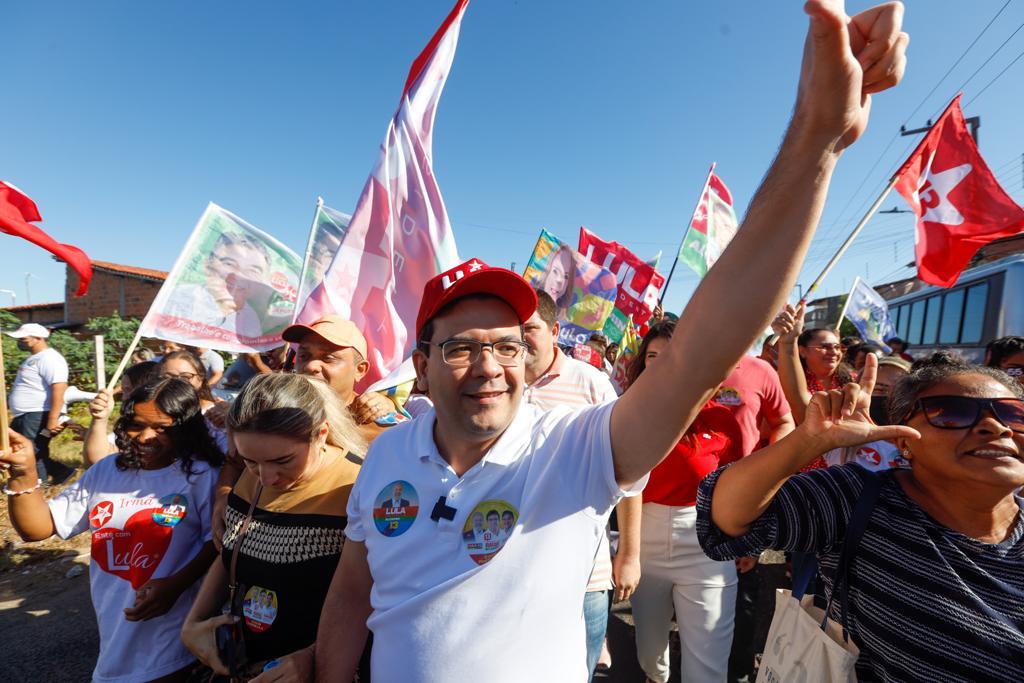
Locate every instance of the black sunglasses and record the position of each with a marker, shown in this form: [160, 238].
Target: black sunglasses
[963, 412]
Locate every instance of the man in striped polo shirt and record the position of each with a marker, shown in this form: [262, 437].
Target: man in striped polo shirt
[554, 379]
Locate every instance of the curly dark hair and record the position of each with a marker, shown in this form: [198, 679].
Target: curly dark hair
[999, 349]
[190, 437]
[929, 371]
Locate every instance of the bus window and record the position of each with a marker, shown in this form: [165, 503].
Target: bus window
[931, 320]
[904, 321]
[916, 322]
[952, 310]
[974, 314]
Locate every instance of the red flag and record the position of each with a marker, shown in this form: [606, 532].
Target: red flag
[959, 205]
[16, 210]
[639, 282]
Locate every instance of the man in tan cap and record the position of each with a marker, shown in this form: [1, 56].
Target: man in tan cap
[333, 349]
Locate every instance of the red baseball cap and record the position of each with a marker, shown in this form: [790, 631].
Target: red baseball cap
[476, 277]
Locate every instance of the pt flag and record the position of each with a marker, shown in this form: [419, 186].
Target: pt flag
[638, 282]
[18, 212]
[959, 204]
[232, 288]
[869, 313]
[399, 236]
[712, 227]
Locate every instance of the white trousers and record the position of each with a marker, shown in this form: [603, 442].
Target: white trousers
[677, 576]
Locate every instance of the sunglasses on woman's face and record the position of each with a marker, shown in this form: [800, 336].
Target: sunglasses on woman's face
[963, 412]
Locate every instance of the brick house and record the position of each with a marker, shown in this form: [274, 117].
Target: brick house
[126, 290]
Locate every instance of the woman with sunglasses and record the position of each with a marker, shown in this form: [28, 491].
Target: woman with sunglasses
[936, 588]
[809, 361]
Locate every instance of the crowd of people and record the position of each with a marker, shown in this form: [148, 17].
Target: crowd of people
[298, 530]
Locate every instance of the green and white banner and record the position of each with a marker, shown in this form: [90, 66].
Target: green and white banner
[233, 288]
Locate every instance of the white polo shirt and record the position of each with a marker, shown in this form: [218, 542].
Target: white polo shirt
[443, 596]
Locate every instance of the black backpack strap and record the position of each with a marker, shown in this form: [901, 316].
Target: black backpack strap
[855, 528]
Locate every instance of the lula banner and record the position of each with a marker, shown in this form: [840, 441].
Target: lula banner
[639, 284]
[584, 292]
[329, 228]
[869, 313]
[233, 288]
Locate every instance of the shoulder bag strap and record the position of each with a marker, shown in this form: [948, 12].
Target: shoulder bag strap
[233, 579]
[855, 528]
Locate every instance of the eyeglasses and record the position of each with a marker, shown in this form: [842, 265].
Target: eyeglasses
[1014, 371]
[963, 412]
[826, 347]
[187, 376]
[461, 353]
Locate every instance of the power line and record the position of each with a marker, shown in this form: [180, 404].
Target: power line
[957, 62]
[998, 75]
[990, 57]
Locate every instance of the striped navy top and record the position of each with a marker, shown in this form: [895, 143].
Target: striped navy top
[926, 603]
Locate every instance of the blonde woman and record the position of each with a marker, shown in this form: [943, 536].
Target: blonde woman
[302, 452]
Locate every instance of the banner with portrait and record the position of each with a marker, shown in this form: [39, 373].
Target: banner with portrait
[233, 288]
[329, 228]
[584, 292]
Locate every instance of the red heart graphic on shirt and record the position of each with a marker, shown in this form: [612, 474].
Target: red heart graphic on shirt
[132, 553]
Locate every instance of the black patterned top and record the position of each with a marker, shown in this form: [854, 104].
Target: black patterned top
[926, 602]
[288, 557]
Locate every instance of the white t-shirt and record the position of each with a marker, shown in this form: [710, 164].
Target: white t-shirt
[441, 596]
[33, 385]
[146, 524]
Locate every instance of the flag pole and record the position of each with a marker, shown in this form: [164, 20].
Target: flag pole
[846, 304]
[305, 258]
[116, 377]
[845, 245]
[707, 182]
[5, 443]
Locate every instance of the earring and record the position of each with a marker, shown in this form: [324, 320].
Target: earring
[906, 452]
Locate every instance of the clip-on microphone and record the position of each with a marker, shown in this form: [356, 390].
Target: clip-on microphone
[442, 510]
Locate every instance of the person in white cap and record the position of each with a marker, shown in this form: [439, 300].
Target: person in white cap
[37, 398]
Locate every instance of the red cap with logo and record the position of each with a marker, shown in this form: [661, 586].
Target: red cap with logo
[476, 277]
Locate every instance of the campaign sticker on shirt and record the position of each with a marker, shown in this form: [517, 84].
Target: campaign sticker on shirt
[259, 608]
[173, 509]
[101, 513]
[728, 396]
[395, 508]
[487, 528]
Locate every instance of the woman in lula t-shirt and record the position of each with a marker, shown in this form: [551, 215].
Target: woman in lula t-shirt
[148, 509]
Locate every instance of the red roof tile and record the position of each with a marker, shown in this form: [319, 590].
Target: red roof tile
[131, 270]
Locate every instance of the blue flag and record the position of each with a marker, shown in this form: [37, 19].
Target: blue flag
[869, 313]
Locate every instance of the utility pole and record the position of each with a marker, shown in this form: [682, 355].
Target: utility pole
[974, 122]
[14, 295]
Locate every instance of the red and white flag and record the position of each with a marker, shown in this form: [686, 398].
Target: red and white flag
[18, 212]
[959, 204]
[639, 282]
[399, 236]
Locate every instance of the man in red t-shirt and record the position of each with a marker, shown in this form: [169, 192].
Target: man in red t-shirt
[753, 393]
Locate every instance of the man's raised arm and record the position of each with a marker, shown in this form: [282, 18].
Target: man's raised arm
[845, 60]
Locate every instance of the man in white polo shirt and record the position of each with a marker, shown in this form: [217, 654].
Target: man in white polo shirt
[445, 609]
[36, 400]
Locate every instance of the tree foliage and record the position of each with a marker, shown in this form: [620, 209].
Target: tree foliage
[78, 349]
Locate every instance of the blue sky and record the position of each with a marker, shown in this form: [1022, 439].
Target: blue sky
[123, 119]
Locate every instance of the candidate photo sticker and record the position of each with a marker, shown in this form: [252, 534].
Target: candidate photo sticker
[395, 508]
[487, 528]
[259, 608]
[173, 509]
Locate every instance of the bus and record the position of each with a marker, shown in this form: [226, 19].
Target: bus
[986, 303]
